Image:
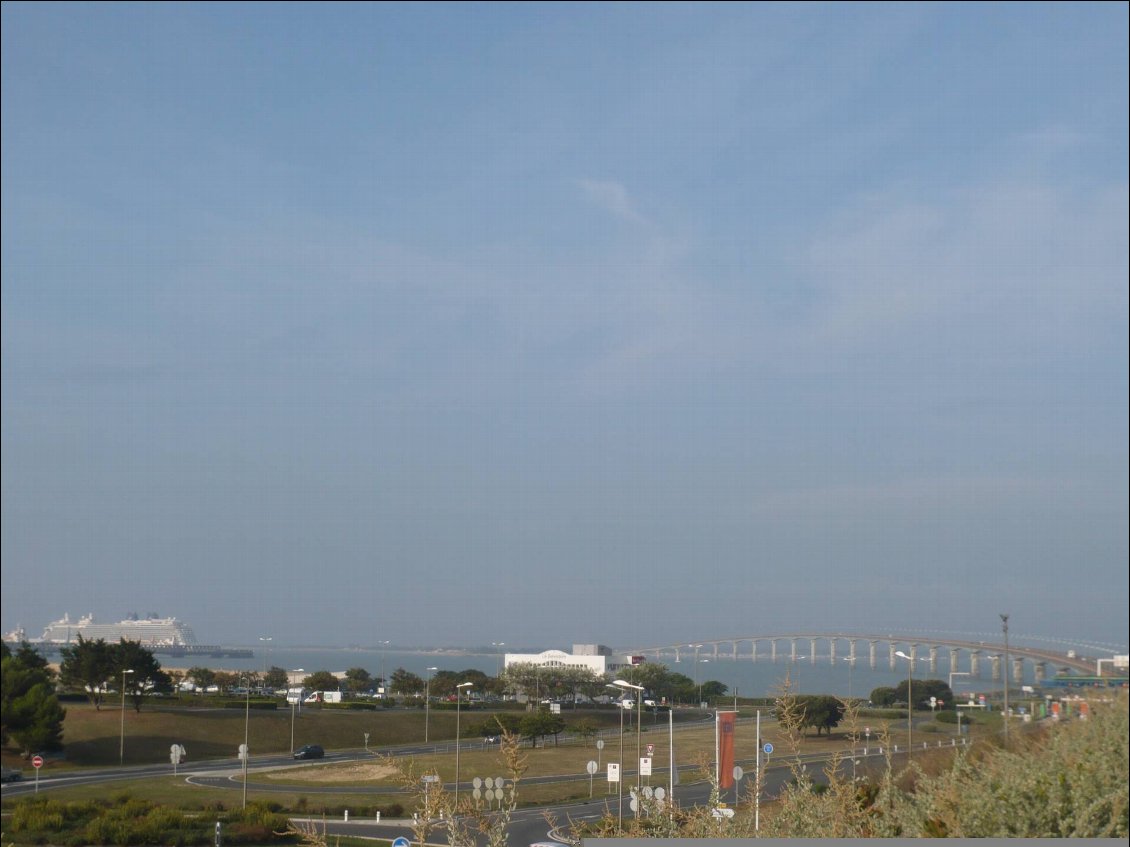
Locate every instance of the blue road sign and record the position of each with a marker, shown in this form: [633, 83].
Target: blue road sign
[400, 841]
[768, 748]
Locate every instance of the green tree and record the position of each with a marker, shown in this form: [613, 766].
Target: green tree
[405, 682]
[581, 680]
[88, 666]
[660, 682]
[201, 677]
[541, 723]
[322, 681]
[497, 724]
[146, 675]
[276, 678]
[820, 710]
[923, 690]
[358, 679]
[884, 696]
[712, 689]
[30, 714]
[225, 680]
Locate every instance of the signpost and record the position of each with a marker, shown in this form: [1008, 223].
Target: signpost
[37, 763]
[591, 768]
[176, 754]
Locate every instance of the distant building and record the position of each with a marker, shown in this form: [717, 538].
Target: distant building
[595, 657]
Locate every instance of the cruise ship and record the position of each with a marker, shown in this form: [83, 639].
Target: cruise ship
[162, 636]
[151, 631]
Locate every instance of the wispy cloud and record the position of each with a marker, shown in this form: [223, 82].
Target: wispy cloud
[612, 197]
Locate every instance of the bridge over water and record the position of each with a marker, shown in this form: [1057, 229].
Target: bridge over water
[851, 647]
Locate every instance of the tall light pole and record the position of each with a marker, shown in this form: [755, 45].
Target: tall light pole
[954, 695]
[639, 717]
[1004, 626]
[294, 699]
[851, 665]
[909, 702]
[384, 682]
[246, 728]
[122, 748]
[266, 653]
[428, 701]
[498, 645]
[620, 781]
[458, 700]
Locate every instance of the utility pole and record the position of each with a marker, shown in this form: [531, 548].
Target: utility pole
[1004, 624]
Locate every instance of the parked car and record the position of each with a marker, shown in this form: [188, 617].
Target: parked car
[11, 775]
[310, 751]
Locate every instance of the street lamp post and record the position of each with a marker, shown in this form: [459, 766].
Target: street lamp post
[458, 700]
[122, 748]
[498, 645]
[384, 682]
[698, 691]
[620, 781]
[428, 701]
[294, 699]
[267, 651]
[851, 665]
[639, 717]
[954, 695]
[246, 728]
[1004, 626]
[909, 702]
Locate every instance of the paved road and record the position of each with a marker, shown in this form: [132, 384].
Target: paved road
[527, 825]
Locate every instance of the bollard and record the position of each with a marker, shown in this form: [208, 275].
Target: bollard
[219, 836]
[378, 815]
[347, 815]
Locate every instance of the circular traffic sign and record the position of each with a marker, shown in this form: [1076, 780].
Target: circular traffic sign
[400, 841]
[768, 748]
[600, 744]
[37, 762]
[591, 766]
[738, 773]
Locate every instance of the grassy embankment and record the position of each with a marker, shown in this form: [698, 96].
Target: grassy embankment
[92, 738]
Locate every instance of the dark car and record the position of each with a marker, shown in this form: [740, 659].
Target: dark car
[310, 751]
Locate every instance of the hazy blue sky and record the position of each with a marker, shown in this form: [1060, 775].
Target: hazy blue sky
[555, 323]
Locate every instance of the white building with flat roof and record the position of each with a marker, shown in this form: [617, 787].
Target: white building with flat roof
[595, 657]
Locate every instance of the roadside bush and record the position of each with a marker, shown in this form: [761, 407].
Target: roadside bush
[888, 714]
[352, 706]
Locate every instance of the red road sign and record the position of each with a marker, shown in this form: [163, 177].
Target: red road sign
[37, 762]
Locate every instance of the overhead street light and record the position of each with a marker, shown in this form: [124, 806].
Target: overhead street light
[909, 702]
[122, 748]
[427, 701]
[620, 781]
[383, 645]
[293, 700]
[267, 653]
[954, 695]
[1004, 626]
[246, 727]
[498, 645]
[621, 683]
[458, 700]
